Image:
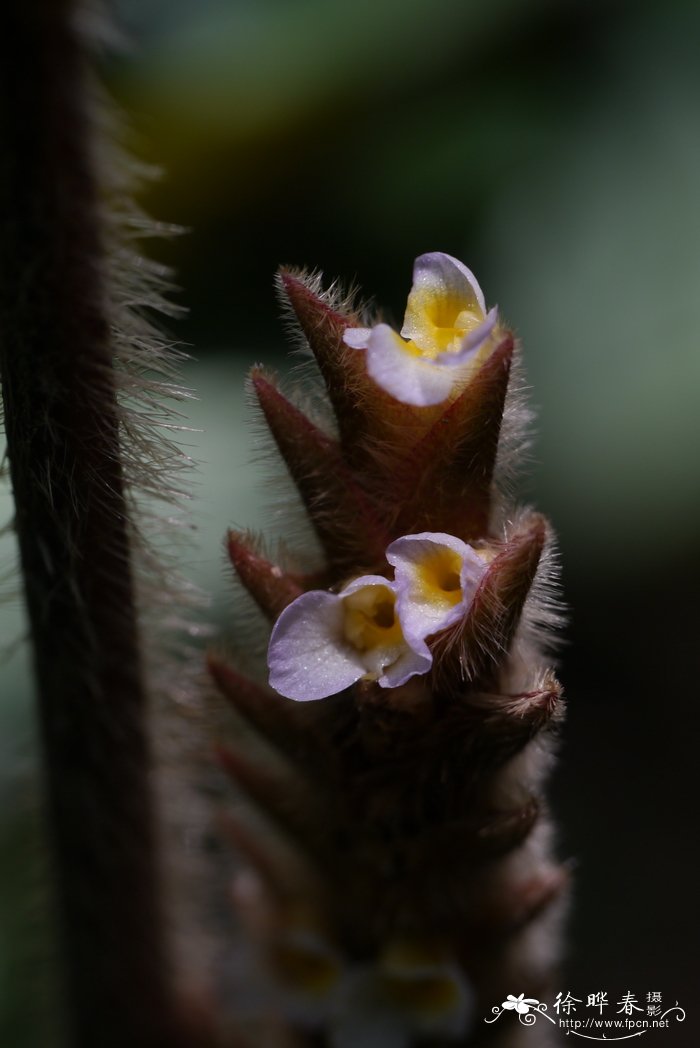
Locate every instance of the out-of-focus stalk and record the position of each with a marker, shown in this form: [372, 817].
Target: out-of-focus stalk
[63, 437]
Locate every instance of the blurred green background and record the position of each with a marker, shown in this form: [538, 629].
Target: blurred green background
[555, 148]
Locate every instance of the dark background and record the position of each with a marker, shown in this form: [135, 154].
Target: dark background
[555, 148]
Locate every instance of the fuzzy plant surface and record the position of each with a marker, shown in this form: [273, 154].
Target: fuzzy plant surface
[401, 882]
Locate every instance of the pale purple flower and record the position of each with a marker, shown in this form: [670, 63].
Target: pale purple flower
[436, 579]
[324, 642]
[445, 327]
[397, 1001]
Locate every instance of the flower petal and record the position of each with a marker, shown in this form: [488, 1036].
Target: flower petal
[444, 327]
[397, 662]
[443, 282]
[357, 338]
[436, 578]
[404, 374]
[431, 991]
[306, 964]
[362, 1018]
[323, 642]
[471, 343]
[361, 582]
[307, 656]
[410, 664]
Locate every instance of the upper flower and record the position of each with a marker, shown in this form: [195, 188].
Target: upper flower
[324, 642]
[445, 326]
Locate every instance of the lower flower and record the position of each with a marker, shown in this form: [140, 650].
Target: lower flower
[324, 642]
[406, 996]
[437, 576]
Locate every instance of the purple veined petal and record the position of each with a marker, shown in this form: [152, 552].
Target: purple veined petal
[436, 578]
[404, 374]
[442, 277]
[358, 337]
[471, 344]
[307, 657]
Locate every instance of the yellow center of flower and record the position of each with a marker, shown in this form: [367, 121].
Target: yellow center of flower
[438, 577]
[308, 970]
[370, 619]
[425, 994]
[440, 322]
[416, 977]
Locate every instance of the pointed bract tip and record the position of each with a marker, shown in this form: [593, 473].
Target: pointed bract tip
[484, 636]
[269, 585]
[321, 319]
[228, 680]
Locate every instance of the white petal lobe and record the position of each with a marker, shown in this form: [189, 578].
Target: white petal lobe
[307, 658]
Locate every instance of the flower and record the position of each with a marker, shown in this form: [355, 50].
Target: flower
[406, 994]
[445, 326]
[375, 629]
[436, 579]
[323, 642]
[305, 962]
[428, 986]
[520, 1004]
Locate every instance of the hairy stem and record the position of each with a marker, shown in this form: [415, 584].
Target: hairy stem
[73, 532]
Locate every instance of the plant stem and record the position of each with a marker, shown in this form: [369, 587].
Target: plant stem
[73, 532]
